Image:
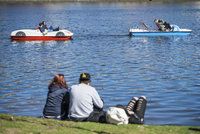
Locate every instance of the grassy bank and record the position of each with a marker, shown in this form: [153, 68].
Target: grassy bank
[10, 124]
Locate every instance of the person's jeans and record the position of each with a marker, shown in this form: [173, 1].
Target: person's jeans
[97, 116]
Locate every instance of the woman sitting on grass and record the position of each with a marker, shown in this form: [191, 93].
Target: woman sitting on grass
[57, 101]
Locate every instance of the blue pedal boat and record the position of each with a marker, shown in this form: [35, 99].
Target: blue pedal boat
[176, 31]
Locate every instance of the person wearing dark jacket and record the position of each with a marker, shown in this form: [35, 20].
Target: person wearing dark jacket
[57, 102]
[43, 27]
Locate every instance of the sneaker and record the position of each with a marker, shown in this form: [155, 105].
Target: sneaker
[131, 105]
[141, 106]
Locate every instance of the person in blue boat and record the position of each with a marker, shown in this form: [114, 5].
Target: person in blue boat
[162, 25]
[85, 102]
[57, 102]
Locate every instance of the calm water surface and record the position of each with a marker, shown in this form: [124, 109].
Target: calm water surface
[165, 69]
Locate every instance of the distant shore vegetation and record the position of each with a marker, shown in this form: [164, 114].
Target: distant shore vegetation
[11, 1]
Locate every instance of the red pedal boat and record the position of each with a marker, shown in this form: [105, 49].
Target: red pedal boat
[37, 35]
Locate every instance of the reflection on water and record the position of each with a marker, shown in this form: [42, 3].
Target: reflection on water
[165, 69]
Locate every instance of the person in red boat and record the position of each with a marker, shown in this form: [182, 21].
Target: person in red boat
[43, 27]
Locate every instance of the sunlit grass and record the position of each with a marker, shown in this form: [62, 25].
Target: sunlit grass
[10, 124]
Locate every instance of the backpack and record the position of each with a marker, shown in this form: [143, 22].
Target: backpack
[117, 116]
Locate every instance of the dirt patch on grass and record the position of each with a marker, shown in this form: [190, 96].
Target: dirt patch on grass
[12, 131]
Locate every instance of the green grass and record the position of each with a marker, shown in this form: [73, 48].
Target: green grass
[10, 124]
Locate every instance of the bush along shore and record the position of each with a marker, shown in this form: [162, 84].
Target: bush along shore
[167, 1]
[10, 124]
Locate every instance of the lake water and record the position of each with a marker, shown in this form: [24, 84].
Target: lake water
[165, 69]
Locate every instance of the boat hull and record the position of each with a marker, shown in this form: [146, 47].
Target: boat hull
[36, 35]
[141, 32]
[40, 38]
